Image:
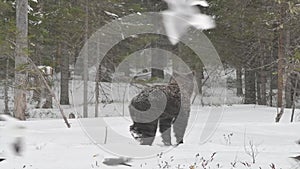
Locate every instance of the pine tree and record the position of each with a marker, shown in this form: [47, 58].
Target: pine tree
[21, 59]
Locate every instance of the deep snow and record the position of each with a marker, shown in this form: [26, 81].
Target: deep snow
[50, 144]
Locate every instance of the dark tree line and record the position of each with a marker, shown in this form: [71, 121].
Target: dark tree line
[258, 39]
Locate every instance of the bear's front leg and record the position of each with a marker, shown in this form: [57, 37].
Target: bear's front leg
[148, 131]
[144, 132]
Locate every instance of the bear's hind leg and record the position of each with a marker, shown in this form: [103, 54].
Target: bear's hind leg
[165, 130]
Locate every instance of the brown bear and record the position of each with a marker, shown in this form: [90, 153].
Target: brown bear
[175, 99]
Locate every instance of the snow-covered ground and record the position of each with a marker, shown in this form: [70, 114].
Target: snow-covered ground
[51, 145]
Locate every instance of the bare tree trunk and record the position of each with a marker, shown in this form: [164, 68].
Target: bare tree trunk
[257, 72]
[270, 72]
[64, 84]
[258, 87]
[98, 81]
[280, 86]
[262, 75]
[239, 82]
[6, 88]
[85, 64]
[263, 78]
[21, 59]
[271, 89]
[250, 94]
[57, 58]
[282, 74]
[294, 98]
[263, 88]
[199, 77]
[288, 88]
[288, 94]
[97, 91]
